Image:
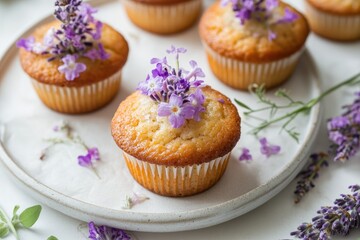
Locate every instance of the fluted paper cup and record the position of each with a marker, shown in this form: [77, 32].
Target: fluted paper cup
[336, 27]
[241, 75]
[176, 181]
[163, 19]
[82, 99]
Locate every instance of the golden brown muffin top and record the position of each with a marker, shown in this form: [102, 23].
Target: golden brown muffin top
[161, 2]
[139, 131]
[223, 33]
[341, 7]
[37, 66]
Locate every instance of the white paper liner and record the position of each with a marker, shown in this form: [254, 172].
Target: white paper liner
[333, 26]
[78, 99]
[239, 74]
[177, 181]
[168, 18]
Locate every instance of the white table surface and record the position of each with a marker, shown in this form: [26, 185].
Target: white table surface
[275, 219]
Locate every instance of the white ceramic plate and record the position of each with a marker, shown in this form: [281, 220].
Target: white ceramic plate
[61, 184]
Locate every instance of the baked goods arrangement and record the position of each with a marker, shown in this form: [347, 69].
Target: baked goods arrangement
[175, 132]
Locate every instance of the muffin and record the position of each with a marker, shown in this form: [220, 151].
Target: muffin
[81, 76]
[334, 19]
[261, 47]
[163, 16]
[178, 145]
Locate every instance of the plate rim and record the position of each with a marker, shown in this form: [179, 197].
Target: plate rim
[204, 217]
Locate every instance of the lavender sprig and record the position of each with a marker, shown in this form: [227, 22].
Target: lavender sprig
[176, 91]
[69, 137]
[309, 174]
[295, 107]
[338, 219]
[262, 11]
[344, 131]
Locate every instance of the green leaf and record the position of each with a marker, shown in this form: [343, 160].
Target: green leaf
[15, 218]
[2, 217]
[52, 238]
[30, 215]
[16, 208]
[242, 104]
[4, 230]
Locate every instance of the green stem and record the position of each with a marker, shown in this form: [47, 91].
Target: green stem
[9, 223]
[355, 79]
[95, 172]
[318, 166]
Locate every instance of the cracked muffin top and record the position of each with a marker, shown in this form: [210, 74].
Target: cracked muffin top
[223, 33]
[139, 131]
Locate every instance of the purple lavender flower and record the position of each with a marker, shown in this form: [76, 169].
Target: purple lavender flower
[309, 174]
[197, 100]
[98, 53]
[98, 27]
[344, 131]
[106, 233]
[245, 155]
[195, 72]
[158, 60]
[176, 110]
[338, 219]
[151, 85]
[271, 4]
[26, 43]
[288, 17]
[261, 11]
[268, 149]
[78, 35]
[175, 50]
[71, 68]
[271, 35]
[49, 37]
[86, 11]
[90, 158]
[177, 90]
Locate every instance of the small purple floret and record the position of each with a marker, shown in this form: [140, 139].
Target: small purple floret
[90, 158]
[177, 90]
[268, 149]
[106, 233]
[176, 110]
[261, 11]
[26, 43]
[71, 68]
[344, 131]
[245, 155]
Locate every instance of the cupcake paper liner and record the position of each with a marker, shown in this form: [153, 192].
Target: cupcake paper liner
[176, 181]
[78, 99]
[163, 19]
[241, 75]
[337, 27]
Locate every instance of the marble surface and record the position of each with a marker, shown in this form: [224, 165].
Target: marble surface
[275, 219]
